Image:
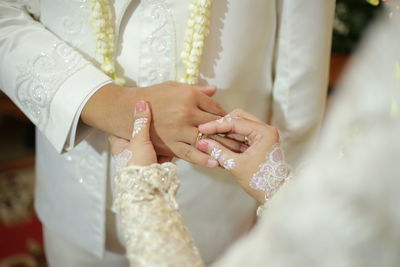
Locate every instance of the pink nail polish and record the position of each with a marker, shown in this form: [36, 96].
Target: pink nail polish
[202, 145]
[140, 106]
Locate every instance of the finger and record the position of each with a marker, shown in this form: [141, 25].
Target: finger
[201, 117]
[189, 135]
[239, 126]
[208, 90]
[117, 144]
[244, 114]
[231, 144]
[192, 134]
[237, 137]
[192, 155]
[209, 105]
[141, 145]
[225, 157]
[141, 125]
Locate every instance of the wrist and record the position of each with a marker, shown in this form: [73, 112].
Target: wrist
[106, 109]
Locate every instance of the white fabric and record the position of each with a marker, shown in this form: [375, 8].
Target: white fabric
[343, 210]
[153, 229]
[63, 253]
[283, 78]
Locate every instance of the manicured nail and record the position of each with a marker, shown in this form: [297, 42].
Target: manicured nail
[212, 163]
[243, 148]
[202, 145]
[140, 107]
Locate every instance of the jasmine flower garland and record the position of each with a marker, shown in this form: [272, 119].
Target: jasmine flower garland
[101, 20]
[197, 30]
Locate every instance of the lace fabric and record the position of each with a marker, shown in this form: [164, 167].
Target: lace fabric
[153, 229]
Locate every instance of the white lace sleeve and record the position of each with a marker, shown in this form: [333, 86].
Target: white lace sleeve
[153, 229]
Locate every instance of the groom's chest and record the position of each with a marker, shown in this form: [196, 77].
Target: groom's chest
[145, 33]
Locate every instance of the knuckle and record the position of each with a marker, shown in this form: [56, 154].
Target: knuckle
[188, 154]
[257, 134]
[184, 112]
[189, 113]
[147, 142]
[191, 93]
[274, 132]
[218, 106]
[257, 137]
[237, 111]
[268, 133]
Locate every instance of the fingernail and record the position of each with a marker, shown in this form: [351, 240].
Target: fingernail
[140, 106]
[212, 163]
[243, 148]
[202, 145]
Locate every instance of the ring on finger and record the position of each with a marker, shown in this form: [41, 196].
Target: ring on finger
[246, 141]
[199, 137]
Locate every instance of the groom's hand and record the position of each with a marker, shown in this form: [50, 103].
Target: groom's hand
[177, 111]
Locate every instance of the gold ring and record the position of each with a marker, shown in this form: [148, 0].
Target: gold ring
[199, 137]
[246, 141]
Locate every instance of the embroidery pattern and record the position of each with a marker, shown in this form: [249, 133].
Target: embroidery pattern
[88, 165]
[39, 80]
[157, 49]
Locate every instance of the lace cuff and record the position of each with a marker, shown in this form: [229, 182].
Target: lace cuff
[153, 229]
[145, 182]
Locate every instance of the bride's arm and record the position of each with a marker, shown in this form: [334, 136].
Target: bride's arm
[153, 229]
[144, 199]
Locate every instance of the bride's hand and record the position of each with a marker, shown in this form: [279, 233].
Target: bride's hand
[139, 150]
[261, 139]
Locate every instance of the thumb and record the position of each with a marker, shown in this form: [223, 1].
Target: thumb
[141, 125]
[209, 90]
[141, 145]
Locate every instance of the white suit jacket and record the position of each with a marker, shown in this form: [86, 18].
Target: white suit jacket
[267, 56]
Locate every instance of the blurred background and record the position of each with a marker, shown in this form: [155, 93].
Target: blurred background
[20, 231]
